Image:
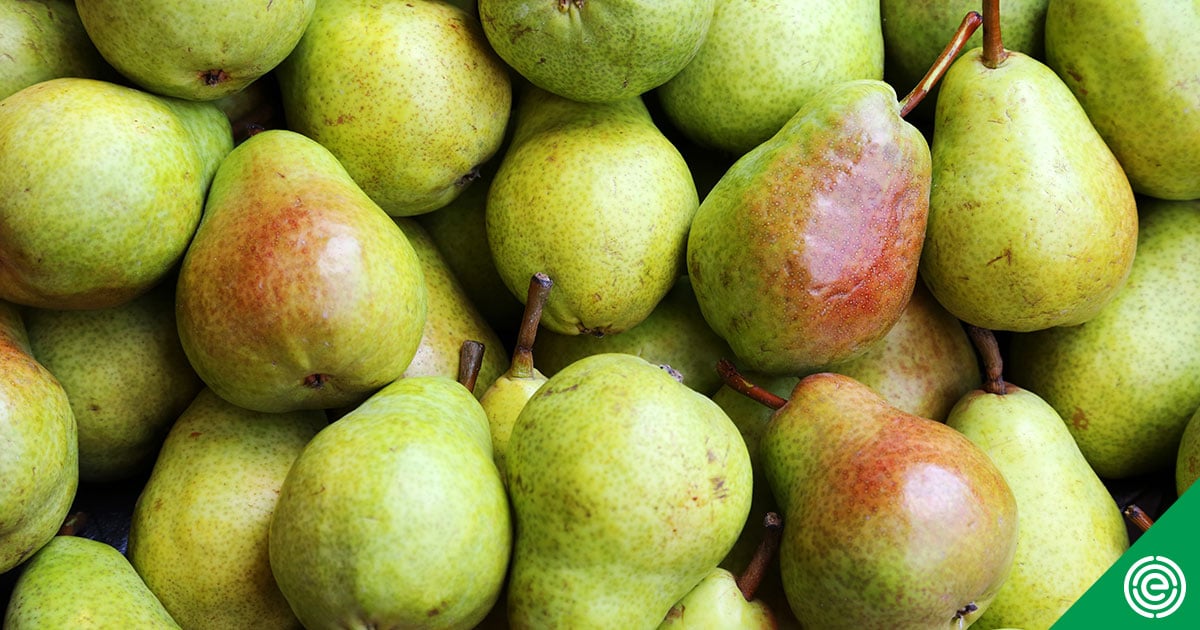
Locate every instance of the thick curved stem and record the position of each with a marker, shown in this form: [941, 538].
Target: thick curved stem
[993, 364]
[970, 23]
[749, 580]
[738, 383]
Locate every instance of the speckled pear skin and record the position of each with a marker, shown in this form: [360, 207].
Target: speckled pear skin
[886, 515]
[1070, 529]
[82, 583]
[716, 603]
[805, 252]
[125, 374]
[1127, 381]
[451, 318]
[1187, 461]
[198, 533]
[596, 51]
[503, 402]
[394, 515]
[90, 229]
[628, 487]
[42, 40]
[674, 333]
[298, 291]
[39, 461]
[761, 61]
[210, 130]
[408, 95]
[1132, 65]
[1032, 223]
[598, 199]
[924, 364]
[195, 49]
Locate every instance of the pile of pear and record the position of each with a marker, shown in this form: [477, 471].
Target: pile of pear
[812, 349]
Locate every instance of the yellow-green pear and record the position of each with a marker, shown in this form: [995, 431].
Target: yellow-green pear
[83, 584]
[198, 532]
[1127, 382]
[408, 95]
[42, 40]
[1187, 461]
[627, 487]
[298, 291]
[39, 460]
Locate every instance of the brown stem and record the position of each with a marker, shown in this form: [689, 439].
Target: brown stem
[993, 46]
[993, 364]
[738, 383]
[970, 23]
[73, 524]
[470, 359]
[749, 580]
[1138, 517]
[535, 301]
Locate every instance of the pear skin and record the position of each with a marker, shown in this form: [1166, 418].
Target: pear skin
[44, 40]
[1187, 461]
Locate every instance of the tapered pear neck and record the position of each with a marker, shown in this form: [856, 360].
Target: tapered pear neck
[994, 53]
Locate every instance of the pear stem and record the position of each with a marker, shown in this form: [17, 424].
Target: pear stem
[749, 580]
[535, 301]
[970, 23]
[1138, 517]
[738, 383]
[993, 364]
[470, 360]
[994, 53]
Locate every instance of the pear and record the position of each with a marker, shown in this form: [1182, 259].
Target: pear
[39, 461]
[1070, 531]
[805, 252]
[298, 291]
[1032, 223]
[85, 584]
[743, 86]
[195, 49]
[395, 515]
[95, 228]
[42, 40]
[596, 51]
[886, 513]
[1187, 460]
[923, 365]
[627, 487]
[674, 334]
[211, 133]
[597, 198]
[1127, 382]
[504, 399]
[451, 318]
[198, 532]
[407, 95]
[125, 375]
[1132, 65]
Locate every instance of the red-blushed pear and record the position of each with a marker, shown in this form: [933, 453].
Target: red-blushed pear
[805, 252]
[891, 520]
[298, 291]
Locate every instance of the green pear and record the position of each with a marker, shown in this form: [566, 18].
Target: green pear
[39, 461]
[1127, 381]
[210, 130]
[759, 64]
[1032, 223]
[1070, 531]
[887, 515]
[125, 375]
[805, 252]
[198, 532]
[42, 40]
[506, 397]
[716, 603]
[195, 49]
[451, 318]
[1187, 460]
[915, 31]
[673, 334]
[82, 584]
[627, 487]
[923, 365]
[597, 198]
[298, 291]
[1132, 65]
[98, 227]
[395, 515]
[407, 95]
[596, 51]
